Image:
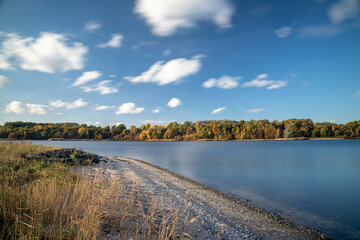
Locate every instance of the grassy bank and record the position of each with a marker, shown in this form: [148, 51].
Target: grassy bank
[42, 198]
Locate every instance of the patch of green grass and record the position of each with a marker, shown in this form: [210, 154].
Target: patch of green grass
[20, 171]
[19, 165]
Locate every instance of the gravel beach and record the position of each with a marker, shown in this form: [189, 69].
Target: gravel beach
[218, 215]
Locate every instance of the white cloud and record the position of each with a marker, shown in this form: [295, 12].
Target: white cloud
[357, 94]
[174, 102]
[218, 110]
[103, 107]
[58, 103]
[225, 82]
[343, 10]
[159, 121]
[112, 75]
[76, 104]
[3, 80]
[256, 110]
[49, 53]
[38, 109]
[277, 84]
[319, 31]
[156, 110]
[97, 123]
[19, 107]
[257, 83]
[261, 81]
[169, 72]
[166, 16]
[15, 107]
[263, 76]
[210, 83]
[4, 64]
[87, 77]
[114, 42]
[129, 108]
[118, 123]
[166, 53]
[92, 26]
[283, 32]
[102, 87]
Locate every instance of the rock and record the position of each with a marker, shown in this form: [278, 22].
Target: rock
[69, 156]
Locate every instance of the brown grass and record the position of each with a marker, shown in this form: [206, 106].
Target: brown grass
[48, 201]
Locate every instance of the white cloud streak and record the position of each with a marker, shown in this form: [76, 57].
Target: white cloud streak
[169, 72]
[129, 108]
[166, 53]
[319, 31]
[3, 80]
[218, 110]
[87, 77]
[174, 102]
[167, 16]
[225, 82]
[283, 32]
[343, 10]
[261, 81]
[114, 42]
[92, 26]
[48, 53]
[156, 110]
[103, 107]
[102, 87]
[21, 108]
[155, 122]
[256, 110]
[76, 104]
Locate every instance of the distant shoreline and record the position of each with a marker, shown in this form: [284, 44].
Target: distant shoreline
[175, 140]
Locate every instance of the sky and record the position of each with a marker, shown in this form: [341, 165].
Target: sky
[157, 61]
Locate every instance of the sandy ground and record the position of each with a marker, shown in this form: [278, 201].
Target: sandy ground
[219, 216]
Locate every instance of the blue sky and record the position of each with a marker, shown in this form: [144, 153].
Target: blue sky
[105, 62]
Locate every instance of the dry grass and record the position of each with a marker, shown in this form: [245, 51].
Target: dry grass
[40, 200]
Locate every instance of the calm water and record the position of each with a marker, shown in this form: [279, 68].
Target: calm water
[316, 183]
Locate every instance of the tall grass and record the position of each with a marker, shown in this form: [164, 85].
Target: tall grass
[46, 200]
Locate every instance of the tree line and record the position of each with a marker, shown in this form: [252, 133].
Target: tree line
[188, 131]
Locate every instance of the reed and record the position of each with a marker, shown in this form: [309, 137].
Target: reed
[47, 200]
